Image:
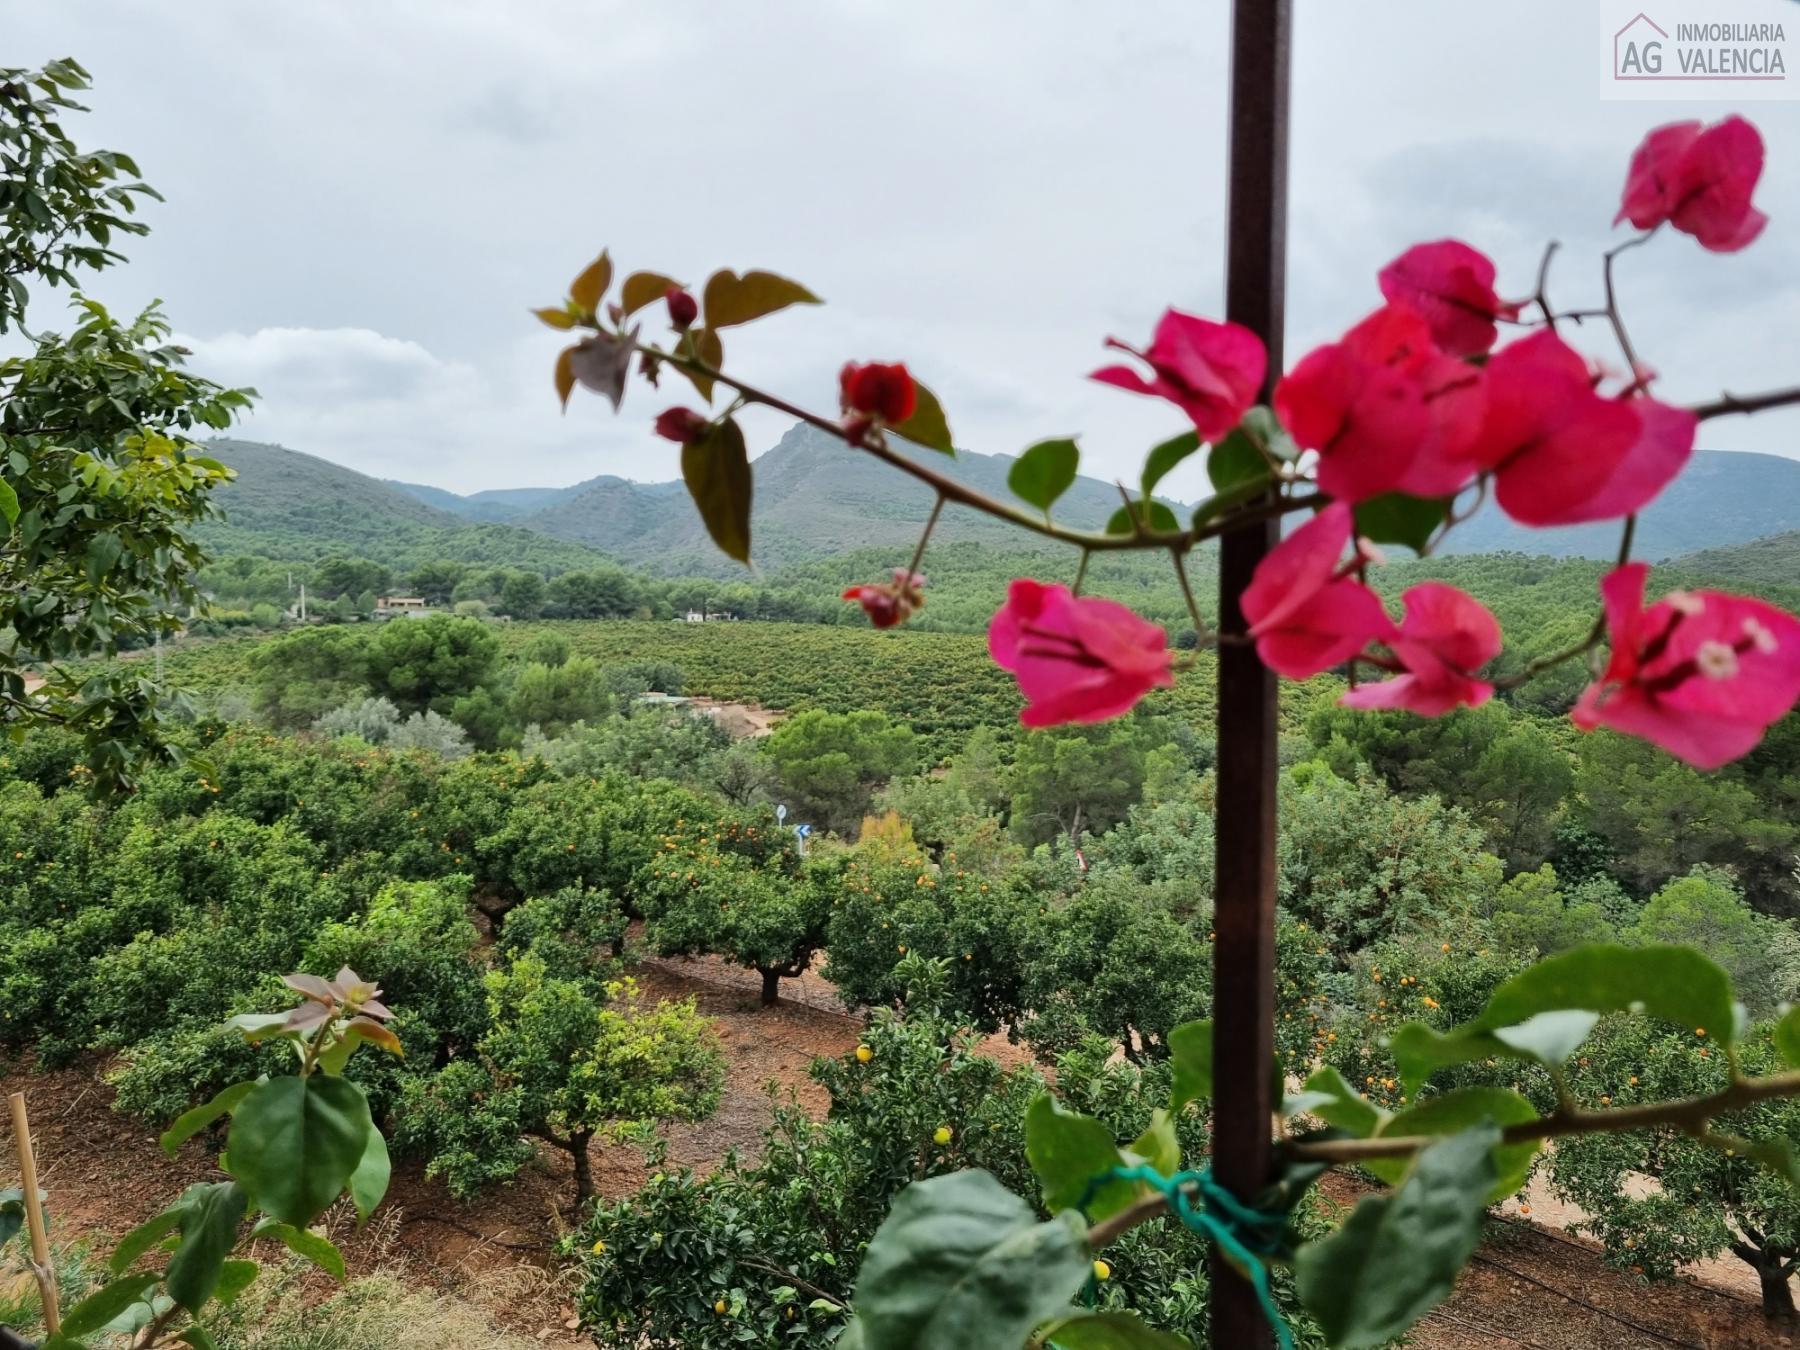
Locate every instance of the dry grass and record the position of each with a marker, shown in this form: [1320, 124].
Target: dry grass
[377, 1312]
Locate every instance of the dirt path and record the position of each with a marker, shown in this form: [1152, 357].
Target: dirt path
[1528, 1287]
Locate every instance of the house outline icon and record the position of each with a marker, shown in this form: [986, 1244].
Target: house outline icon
[1641, 18]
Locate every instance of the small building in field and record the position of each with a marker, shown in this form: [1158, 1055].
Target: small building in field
[400, 606]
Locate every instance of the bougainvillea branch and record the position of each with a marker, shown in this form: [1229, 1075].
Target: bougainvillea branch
[1407, 426]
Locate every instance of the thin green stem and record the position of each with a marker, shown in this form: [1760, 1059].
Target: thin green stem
[937, 509]
[1080, 574]
[1187, 594]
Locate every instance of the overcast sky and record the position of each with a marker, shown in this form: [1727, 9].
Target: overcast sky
[364, 197]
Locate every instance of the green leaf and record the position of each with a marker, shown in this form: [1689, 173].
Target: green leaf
[1156, 517]
[1109, 1331]
[1235, 462]
[716, 469]
[104, 1304]
[1190, 1055]
[321, 1251]
[1044, 472]
[9, 503]
[961, 1264]
[210, 1216]
[558, 318]
[1157, 1145]
[369, 1182]
[190, 1123]
[296, 1141]
[1787, 1040]
[197, 1337]
[1455, 1111]
[731, 299]
[1397, 1256]
[236, 1278]
[1262, 423]
[1676, 984]
[588, 288]
[1396, 518]
[1067, 1151]
[12, 1213]
[927, 425]
[1163, 459]
[145, 1236]
[1347, 1109]
[644, 288]
[258, 1026]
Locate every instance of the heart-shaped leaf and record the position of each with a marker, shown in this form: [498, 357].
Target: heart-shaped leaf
[1069, 1152]
[296, 1141]
[1155, 516]
[1044, 472]
[926, 426]
[644, 288]
[716, 469]
[731, 299]
[1163, 458]
[1396, 518]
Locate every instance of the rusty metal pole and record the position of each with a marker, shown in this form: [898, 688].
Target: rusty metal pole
[1244, 951]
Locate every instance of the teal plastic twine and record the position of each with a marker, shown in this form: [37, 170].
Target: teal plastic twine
[1247, 1236]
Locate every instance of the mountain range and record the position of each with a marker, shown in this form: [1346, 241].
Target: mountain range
[815, 499]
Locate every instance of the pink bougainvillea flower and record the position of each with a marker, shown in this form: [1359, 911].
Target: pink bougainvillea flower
[1698, 179]
[1305, 614]
[1077, 659]
[1661, 449]
[1451, 286]
[1552, 443]
[883, 389]
[1446, 636]
[1386, 410]
[1700, 673]
[890, 602]
[1211, 371]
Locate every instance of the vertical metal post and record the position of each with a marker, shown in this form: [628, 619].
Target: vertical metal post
[1244, 950]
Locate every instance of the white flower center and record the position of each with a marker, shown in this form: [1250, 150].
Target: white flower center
[1686, 602]
[1716, 660]
[1760, 637]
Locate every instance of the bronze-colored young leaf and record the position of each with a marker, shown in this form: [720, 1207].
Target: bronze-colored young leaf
[557, 317]
[644, 288]
[716, 469]
[927, 426]
[587, 289]
[731, 299]
[565, 375]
